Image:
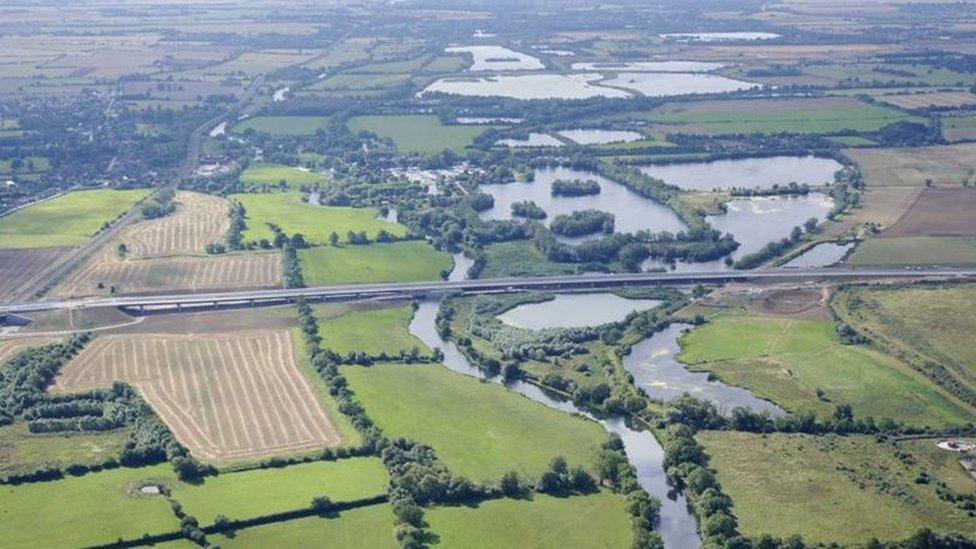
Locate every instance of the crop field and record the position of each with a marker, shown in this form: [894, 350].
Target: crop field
[934, 99]
[959, 128]
[358, 81]
[479, 430]
[23, 452]
[409, 261]
[271, 174]
[371, 328]
[230, 396]
[18, 266]
[867, 73]
[362, 528]
[316, 223]
[595, 520]
[818, 115]
[928, 322]
[417, 133]
[910, 167]
[100, 507]
[283, 125]
[253, 63]
[787, 360]
[938, 212]
[234, 495]
[827, 489]
[198, 220]
[345, 51]
[68, 220]
[244, 270]
[915, 250]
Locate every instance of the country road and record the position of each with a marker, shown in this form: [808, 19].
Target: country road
[488, 285]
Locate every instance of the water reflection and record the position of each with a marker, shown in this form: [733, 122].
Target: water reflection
[749, 173]
[575, 311]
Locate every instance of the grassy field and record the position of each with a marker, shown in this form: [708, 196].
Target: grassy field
[36, 164]
[261, 173]
[99, 507]
[348, 81]
[597, 520]
[519, 258]
[283, 125]
[953, 251]
[363, 528]
[68, 220]
[417, 133]
[258, 492]
[787, 360]
[408, 261]
[821, 115]
[958, 128]
[316, 223]
[940, 464]
[911, 166]
[373, 330]
[827, 489]
[479, 430]
[929, 322]
[350, 436]
[23, 452]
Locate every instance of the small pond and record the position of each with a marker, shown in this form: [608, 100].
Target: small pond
[719, 36]
[749, 173]
[575, 311]
[583, 136]
[533, 140]
[824, 254]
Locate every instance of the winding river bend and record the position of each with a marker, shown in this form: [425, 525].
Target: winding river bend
[678, 527]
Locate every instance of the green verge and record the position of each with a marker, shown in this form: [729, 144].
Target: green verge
[261, 173]
[365, 528]
[786, 360]
[479, 430]
[345, 329]
[316, 223]
[67, 220]
[520, 258]
[417, 133]
[96, 508]
[827, 489]
[350, 437]
[409, 261]
[957, 251]
[596, 520]
[258, 492]
[283, 125]
[23, 452]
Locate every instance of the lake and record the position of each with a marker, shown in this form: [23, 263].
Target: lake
[749, 173]
[582, 136]
[527, 86]
[574, 311]
[649, 66]
[823, 254]
[497, 58]
[632, 211]
[719, 36]
[666, 84]
[533, 140]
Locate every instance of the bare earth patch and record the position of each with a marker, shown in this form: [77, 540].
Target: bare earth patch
[794, 302]
[230, 396]
[939, 212]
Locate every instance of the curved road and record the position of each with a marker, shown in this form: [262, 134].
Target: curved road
[487, 285]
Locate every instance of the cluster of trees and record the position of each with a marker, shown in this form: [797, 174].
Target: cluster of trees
[770, 250]
[528, 210]
[793, 188]
[291, 267]
[237, 226]
[480, 202]
[615, 470]
[24, 378]
[575, 187]
[161, 205]
[582, 222]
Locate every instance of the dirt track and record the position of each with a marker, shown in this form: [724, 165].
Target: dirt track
[226, 397]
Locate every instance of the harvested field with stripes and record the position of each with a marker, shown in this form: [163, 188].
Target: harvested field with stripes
[226, 397]
[199, 220]
[17, 267]
[935, 99]
[225, 272]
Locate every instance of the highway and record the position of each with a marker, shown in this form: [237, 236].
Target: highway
[349, 292]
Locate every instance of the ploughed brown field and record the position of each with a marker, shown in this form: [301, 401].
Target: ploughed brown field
[17, 267]
[939, 212]
[167, 254]
[198, 220]
[226, 397]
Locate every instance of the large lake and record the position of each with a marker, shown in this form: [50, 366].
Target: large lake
[719, 36]
[649, 66]
[527, 86]
[824, 254]
[574, 311]
[497, 58]
[747, 173]
[632, 211]
[666, 84]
